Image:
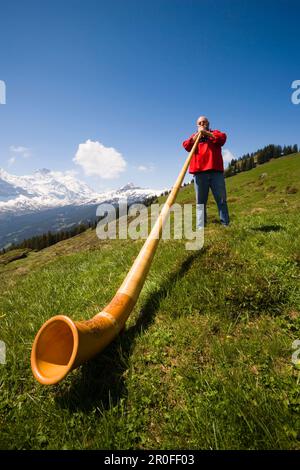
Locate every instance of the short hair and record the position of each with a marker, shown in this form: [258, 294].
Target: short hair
[204, 118]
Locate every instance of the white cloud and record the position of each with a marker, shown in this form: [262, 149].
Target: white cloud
[11, 161]
[145, 168]
[97, 160]
[18, 151]
[71, 173]
[227, 156]
[22, 151]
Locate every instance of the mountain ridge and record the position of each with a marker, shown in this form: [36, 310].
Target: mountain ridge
[46, 189]
[53, 201]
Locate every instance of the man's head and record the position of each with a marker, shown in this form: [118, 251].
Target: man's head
[202, 123]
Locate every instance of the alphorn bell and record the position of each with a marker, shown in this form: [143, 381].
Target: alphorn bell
[61, 344]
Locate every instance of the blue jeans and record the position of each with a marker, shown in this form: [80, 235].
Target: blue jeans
[214, 180]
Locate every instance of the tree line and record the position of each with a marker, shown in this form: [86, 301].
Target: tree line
[250, 160]
[39, 242]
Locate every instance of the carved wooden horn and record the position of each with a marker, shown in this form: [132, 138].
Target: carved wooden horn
[61, 344]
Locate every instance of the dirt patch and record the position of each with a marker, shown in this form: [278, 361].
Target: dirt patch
[258, 210]
[13, 255]
[291, 190]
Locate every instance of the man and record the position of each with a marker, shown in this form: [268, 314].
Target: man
[208, 169]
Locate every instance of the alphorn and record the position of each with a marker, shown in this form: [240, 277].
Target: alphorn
[61, 344]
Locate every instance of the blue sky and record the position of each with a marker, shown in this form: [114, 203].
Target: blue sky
[135, 75]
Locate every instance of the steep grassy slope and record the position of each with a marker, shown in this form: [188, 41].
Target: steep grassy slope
[206, 358]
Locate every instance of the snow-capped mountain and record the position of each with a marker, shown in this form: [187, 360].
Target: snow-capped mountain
[52, 200]
[47, 189]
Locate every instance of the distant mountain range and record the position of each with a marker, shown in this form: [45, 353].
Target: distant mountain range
[49, 200]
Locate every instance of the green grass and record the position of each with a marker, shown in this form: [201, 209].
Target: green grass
[205, 361]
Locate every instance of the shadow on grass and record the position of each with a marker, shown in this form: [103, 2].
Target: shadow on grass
[101, 381]
[268, 228]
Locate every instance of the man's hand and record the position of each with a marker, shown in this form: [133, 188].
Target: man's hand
[196, 135]
[207, 133]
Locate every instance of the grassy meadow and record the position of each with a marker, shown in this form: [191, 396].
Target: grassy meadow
[205, 361]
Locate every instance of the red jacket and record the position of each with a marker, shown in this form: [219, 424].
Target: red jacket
[208, 155]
